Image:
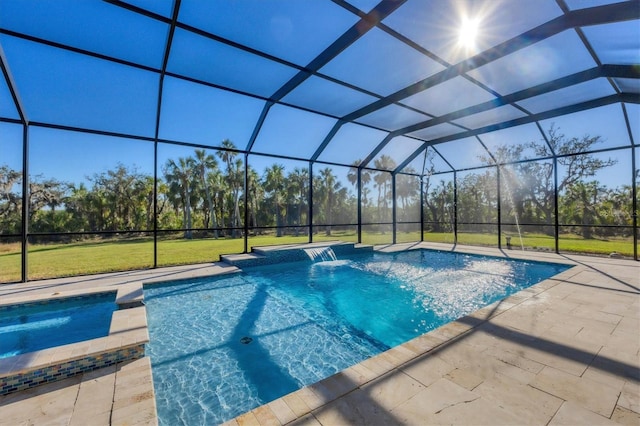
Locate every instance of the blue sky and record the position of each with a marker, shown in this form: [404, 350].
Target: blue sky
[67, 88]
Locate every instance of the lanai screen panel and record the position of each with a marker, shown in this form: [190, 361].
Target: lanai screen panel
[449, 96]
[11, 219]
[91, 26]
[606, 124]
[61, 87]
[514, 143]
[326, 85]
[326, 96]
[196, 113]
[292, 132]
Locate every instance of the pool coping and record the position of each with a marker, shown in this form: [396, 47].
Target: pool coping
[126, 338]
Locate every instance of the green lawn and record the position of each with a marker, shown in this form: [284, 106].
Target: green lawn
[57, 260]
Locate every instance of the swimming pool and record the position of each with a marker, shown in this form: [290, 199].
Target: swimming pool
[30, 327]
[222, 346]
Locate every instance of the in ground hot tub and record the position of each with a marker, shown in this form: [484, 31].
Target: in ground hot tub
[53, 337]
[33, 326]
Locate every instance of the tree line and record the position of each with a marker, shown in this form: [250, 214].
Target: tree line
[528, 191]
[202, 193]
[205, 194]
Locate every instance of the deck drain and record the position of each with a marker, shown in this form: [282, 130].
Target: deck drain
[246, 340]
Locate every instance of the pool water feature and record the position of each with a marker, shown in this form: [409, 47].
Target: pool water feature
[222, 346]
[30, 327]
[321, 254]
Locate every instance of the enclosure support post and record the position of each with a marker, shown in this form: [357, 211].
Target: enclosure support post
[25, 201]
[556, 223]
[359, 182]
[310, 201]
[634, 202]
[455, 207]
[155, 203]
[421, 209]
[393, 207]
[246, 202]
[165, 61]
[499, 206]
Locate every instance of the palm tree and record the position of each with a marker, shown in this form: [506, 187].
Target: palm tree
[203, 163]
[179, 176]
[237, 183]
[407, 189]
[274, 183]
[298, 187]
[352, 174]
[329, 187]
[255, 193]
[382, 181]
[365, 178]
[234, 179]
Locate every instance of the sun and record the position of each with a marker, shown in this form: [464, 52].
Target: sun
[468, 33]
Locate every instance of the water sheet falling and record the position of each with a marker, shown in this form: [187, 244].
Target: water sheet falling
[321, 254]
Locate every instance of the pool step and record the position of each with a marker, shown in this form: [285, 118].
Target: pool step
[244, 259]
[130, 295]
[268, 255]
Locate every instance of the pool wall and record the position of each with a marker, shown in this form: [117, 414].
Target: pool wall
[126, 340]
[269, 255]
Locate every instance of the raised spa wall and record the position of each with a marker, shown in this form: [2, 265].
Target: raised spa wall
[261, 256]
[128, 335]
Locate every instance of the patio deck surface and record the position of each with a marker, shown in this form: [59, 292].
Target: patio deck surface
[565, 351]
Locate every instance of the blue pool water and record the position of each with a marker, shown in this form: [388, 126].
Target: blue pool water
[222, 346]
[34, 326]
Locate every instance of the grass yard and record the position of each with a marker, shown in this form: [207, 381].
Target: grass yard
[91, 257]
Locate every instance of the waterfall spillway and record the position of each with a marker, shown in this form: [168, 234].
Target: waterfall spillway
[320, 254]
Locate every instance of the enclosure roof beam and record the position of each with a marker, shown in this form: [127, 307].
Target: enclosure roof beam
[258, 126]
[376, 150]
[620, 71]
[598, 15]
[327, 139]
[165, 61]
[607, 100]
[13, 88]
[360, 28]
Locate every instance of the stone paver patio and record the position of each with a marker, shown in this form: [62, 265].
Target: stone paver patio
[565, 351]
